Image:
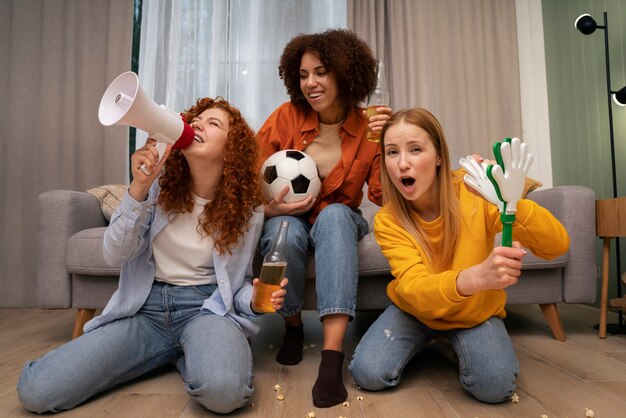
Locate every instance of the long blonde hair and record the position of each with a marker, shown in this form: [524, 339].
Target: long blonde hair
[401, 208]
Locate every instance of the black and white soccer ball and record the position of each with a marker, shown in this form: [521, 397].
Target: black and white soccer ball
[293, 168]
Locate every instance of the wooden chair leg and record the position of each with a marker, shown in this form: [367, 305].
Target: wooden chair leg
[604, 290]
[551, 313]
[82, 316]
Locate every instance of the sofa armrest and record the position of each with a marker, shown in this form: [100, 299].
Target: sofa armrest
[62, 213]
[575, 207]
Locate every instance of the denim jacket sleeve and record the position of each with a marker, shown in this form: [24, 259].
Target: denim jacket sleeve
[127, 233]
[243, 297]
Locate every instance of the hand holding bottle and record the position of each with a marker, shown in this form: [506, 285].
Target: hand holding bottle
[378, 105]
[270, 282]
[276, 298]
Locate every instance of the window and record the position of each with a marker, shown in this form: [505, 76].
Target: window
[192, 48]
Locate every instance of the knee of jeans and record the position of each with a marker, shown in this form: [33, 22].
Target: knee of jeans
[223, 395]
[493, 387]
[334, 221]
[333, 213]
[297, 239]
[368, 377]
[33, 395]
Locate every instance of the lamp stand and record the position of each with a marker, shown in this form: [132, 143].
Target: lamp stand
[618, 328]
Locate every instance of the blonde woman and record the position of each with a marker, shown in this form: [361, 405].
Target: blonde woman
[448, 278]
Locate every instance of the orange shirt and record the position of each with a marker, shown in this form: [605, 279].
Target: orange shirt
[290, 128]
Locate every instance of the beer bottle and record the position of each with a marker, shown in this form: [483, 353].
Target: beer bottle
[379, 97]
[272, 272]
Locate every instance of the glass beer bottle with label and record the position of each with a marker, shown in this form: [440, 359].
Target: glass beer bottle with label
[379, 97]
[272, 272]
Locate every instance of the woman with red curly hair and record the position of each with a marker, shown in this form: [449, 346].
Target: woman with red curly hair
[326, 75]
[185, 244]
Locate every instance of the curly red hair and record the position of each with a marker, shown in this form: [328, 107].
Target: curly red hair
[227, 217]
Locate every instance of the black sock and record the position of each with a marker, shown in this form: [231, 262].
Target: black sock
[290, 352]
[328, 389]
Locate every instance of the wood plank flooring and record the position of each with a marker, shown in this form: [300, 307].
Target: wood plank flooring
[557, 379]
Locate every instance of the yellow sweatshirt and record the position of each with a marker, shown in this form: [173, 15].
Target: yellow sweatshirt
[431, 296]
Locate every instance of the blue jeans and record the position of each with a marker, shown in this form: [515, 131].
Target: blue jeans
[212, 355]
[487, 362]
[335, 238]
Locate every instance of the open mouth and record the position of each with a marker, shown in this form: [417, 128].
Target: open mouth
[407, 181]
[198, 139]
[315, 95]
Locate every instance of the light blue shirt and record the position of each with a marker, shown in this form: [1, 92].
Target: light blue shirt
[128, 244]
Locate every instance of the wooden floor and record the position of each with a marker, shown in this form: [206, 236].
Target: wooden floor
[556, 379]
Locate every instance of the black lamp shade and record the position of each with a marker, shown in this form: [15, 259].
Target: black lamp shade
[586, 24]
[620, 97]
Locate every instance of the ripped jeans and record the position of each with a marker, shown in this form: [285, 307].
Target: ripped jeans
[487, 362]
[211, 352]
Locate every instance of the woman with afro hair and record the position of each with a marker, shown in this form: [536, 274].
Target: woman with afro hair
[326, 75]
[184, 236]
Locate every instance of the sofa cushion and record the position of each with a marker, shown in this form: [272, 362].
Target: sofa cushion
[532, 262]
[85, 256]
[372, 262]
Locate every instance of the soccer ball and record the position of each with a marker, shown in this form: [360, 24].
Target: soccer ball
[293, 168]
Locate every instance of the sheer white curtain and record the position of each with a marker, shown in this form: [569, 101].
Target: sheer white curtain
[193, 48]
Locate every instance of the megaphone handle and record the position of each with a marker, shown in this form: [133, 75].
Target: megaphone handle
[160, 146]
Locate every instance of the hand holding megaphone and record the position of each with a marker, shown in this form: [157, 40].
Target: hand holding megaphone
[125, 103]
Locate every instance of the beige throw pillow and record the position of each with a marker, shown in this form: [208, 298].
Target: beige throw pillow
[109, 196]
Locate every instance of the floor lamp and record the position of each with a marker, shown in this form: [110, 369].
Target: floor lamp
[587, 25]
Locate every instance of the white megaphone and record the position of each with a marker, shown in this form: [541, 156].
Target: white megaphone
[125, 103]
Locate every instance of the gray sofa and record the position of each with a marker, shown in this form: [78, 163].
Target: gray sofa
[71, 272]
